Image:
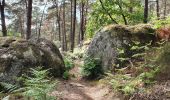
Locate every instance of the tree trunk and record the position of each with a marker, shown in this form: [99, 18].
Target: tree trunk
[64, 41]
[157, 9]
[71, 25]
[165, 8]
[58, 19]
[74, 26]
[79, 34]
[82, 21]
[21, 26]
[41, 21]
[2, 6]
[146, 12]
[29, 17]
[86, 15]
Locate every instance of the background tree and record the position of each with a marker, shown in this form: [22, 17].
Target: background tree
[3, 24]
[74, 27]
[29, 17]
[64, 41]
[146, 12]
[157, 9]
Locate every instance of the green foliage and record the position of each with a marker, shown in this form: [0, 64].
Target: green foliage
[6, 87]
[131, 52]
[66, 75]
[148, 77]
[141, 74]
[128, 84]
[92, 68]
[68, 64]
[12, 33]
[79, 52]
[125, 84]
[99, 17]
[161, 23]
[38, 86]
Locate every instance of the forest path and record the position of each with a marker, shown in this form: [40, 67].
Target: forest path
[78, 89]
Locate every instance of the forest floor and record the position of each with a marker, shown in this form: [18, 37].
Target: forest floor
[77, 88]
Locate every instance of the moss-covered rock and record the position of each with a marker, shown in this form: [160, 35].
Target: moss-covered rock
[17, 56]
[108, 39]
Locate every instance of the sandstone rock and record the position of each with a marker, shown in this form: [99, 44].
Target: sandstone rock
[17, 56]
[106, 41]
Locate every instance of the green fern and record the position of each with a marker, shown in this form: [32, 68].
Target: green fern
[38, 86]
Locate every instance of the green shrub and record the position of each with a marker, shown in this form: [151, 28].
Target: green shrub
[66, 75]
[131, 53]
[125, 84]
[38, 85]
[68, 64]
[161, 23]
[92, 68]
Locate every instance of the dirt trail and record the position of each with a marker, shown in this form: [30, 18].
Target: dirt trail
[78, 89]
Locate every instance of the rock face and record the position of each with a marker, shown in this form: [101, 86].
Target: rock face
[106, 41]
[17, 56]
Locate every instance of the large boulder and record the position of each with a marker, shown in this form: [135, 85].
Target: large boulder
[17, 56]
[108, 39]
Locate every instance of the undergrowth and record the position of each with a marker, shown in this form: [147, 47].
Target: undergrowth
[92, 68]
[69, 64]
[37, 86]
[138, 74]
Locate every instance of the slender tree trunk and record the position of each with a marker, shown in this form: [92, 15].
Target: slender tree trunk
[86, 14]
[21, 26]
[71, 25]
[41, 21]
[79, 34]
[82, 20]
[146, 12]
[157, 9]
[29, 17]
[58, 19]
[165, 8]
[2, 6]
[64, 41]
[74, 26]
[59, 24]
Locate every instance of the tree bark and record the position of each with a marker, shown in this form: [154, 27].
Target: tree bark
[29, 17]
[82, 21]
[41, 22]
[71, 24]
[74, 26]
[2, 6]
[58, 18]
[165, 8]
[157, 9]
[64, 40]
[146, 12]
